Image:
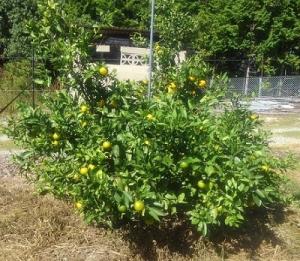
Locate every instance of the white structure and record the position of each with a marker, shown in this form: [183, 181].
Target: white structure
[133, 62]
[134, 56]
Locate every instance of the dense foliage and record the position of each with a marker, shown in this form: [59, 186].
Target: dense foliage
[123, 158]
[14, 36]
[264, 33]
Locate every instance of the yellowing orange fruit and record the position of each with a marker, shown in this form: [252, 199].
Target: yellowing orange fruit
[202, 84]
[265, 168]
[254, 117]
[84, 108]
[139, 206]
[91, 166]
[103, 71]
[55, 143]
[106, 145]
[83, 171]
[192, 78]
[201, 184]
[55, 136]
[150, 117]
[79, 205]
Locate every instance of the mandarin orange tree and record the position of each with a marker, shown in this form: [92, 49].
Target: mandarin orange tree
[121, 157]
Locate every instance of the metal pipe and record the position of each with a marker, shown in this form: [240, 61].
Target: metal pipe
[32, 76]
[151, 49]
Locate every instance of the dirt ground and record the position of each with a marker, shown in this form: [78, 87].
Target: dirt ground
[34, 227]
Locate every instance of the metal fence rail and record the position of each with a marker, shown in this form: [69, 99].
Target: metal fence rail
[9, 99]
[273, 86]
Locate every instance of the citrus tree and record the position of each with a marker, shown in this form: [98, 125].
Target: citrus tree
[120, 157]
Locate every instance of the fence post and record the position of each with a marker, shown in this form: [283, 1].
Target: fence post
[32, 77]
[280, 86]
[247, 80]
[260, 86]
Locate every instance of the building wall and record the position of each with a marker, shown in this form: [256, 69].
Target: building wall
[130, 72]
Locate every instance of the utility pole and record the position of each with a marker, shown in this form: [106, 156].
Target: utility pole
[32, 77]
[151, 49]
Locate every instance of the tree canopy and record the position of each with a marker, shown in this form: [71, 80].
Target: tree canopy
[266, 33]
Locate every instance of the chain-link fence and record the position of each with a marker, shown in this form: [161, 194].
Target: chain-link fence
[274, 86]
[9, 99]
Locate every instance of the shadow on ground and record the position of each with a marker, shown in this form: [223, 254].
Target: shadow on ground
[182, 240]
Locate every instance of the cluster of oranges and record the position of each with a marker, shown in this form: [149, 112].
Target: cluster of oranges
[55, 139]
[201, 84]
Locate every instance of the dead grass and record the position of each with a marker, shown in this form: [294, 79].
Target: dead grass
[36, 227]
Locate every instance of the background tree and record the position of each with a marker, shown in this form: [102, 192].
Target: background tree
[266, 32]
[14, 37]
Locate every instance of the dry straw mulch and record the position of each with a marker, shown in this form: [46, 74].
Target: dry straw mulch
[34, 227]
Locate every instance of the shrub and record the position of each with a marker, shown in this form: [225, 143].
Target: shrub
[16, 75]
[123, 158]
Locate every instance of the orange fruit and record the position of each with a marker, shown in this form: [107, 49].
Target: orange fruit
[91, 166]
[79, 205]
[84, 108]
[106, 145]
[265, 168]
[192, 78]
[202, 84]
[55, 136]
[139, 206]
[150, 117]
[184, 165]
[254, 117]
[201, 184]
[103, 71]
[83, 171]
[55, 143]
[122, 209]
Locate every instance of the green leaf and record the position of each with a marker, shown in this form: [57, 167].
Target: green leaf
[181, 198]
[256, 200]
[209, 170]
[127, 198]
[156, 213]
[260, 193]
[173, 210]
[117, 197]
[241, 187]
[39, 81]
